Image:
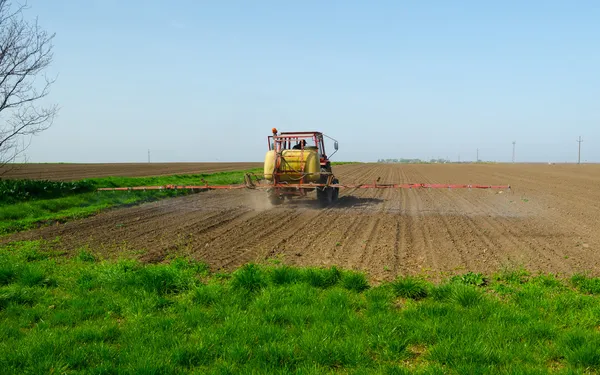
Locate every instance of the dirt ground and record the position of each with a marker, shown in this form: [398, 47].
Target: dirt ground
[68, 172]
[548, 222]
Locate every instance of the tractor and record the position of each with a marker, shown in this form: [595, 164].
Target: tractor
[296, 164]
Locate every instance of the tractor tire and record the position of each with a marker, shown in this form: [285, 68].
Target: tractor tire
[336, 191]
[325, 196]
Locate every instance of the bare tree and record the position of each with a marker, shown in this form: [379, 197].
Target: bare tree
[25, 53]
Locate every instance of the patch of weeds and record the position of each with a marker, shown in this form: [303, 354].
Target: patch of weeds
[586, 284]
[250, 278]
[35, 276]
[513, 275]
[581, 349]
[410, 287]
[466, 296]
[197, 267]
[33, 254]
[8, 273]
[32, 274]
[285, 275]
[87, 281]
[355, 281]
[274, 261]
[163, 279]
[323, 278]
[17, 295]
[30, 251]
[85, 255]
[441, 293]
[207, 295]
[548, 281]
[222, 276]
[470, 278]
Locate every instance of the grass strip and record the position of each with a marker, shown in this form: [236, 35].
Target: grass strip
[85, 314]
[219, 178]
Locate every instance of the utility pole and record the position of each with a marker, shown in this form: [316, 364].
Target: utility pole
[514, 143]
[148, 155]
[477, 161]
[579, 152]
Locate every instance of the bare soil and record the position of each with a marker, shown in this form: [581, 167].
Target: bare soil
[548, 222]
[69, 172]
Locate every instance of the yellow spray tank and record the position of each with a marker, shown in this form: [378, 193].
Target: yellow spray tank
[294, 164]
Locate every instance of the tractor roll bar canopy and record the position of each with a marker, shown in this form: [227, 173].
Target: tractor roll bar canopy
[284, 140]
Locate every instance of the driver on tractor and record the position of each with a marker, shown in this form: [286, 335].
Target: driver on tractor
[300, 145]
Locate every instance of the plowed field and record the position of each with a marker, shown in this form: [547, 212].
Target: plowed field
[67, 172]
[548, 222]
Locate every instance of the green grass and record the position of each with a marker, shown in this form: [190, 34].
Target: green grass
[410, 287]
[219, 178]
[27, 215]
[84, 314]
[14, 191]
[32, 211]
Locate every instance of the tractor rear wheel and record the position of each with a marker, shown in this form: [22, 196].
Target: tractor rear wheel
[325, 196]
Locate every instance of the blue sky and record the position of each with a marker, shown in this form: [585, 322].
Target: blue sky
[207, 80]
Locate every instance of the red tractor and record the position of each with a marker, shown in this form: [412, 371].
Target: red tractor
[297, 163]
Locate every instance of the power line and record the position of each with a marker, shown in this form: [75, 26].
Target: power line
[579, 151]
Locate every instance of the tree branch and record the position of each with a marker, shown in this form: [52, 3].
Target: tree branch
[25, 52]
